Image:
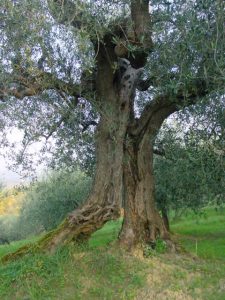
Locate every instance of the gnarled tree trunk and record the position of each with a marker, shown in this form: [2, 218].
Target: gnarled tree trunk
[124, 146]
[104, 201]
[105, 198]
[142, 221]
[124, 158]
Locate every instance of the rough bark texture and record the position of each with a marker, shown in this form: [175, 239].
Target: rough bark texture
[104, 201]
[142, 222]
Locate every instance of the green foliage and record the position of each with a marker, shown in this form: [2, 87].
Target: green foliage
[48, 201]
[8, 227]
[159, 247]
[190, 174]
[190, 33]
[193, 179]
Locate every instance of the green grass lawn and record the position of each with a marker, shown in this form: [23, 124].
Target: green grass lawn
[203, 235]
[101, 271]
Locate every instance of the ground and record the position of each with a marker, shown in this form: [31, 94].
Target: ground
[101, 271]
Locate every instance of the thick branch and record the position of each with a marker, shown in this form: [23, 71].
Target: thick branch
[160, 102]
[166, 104]
[142, 21]
[24, 85]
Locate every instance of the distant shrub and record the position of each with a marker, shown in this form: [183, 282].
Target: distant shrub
[10, 201]
[49, 200]
[8, 228]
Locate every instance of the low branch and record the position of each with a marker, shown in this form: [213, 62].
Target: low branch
[160, 102]
[25, 85]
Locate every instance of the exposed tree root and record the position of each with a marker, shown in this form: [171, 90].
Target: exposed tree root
[35, 247]
[77, 227]
[18, 253]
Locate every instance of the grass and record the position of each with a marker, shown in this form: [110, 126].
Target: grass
[203, 235]
[101, 271]
[106, 235]
[78, 273]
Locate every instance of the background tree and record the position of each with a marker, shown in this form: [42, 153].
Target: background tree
[81, 64]
[43, 204]
[189, 168]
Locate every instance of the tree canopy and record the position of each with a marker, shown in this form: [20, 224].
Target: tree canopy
[48, 59]
[117, 69]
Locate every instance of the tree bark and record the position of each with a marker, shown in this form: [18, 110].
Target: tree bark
[142, 222]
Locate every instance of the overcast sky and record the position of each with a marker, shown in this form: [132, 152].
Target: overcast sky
[10, 178]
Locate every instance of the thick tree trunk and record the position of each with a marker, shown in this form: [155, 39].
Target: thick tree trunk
[142, 222]
[105, 198]
[116, 94]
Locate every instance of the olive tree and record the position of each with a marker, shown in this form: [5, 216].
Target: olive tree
[118, 68]
[190, 163]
